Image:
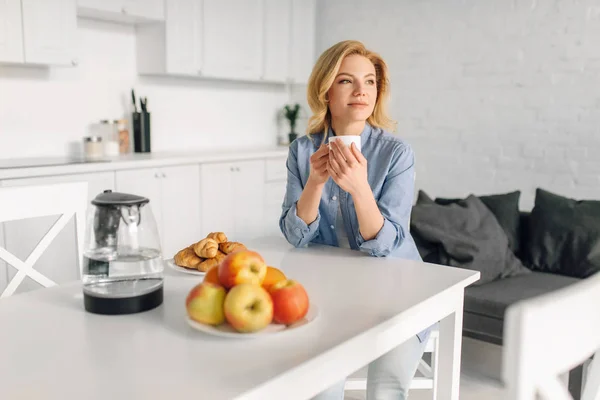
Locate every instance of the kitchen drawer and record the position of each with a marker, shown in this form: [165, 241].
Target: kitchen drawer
[276, 169]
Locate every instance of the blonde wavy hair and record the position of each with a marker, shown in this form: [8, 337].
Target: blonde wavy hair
[323, 75]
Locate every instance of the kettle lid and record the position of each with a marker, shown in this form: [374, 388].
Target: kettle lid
[110, 198]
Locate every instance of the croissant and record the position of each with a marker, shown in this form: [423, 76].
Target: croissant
[230, 247]
[220, 256]
[187, 258]
[207, 264]
[219, 237]
[206, 248]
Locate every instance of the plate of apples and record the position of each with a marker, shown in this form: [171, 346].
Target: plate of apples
[243, 297]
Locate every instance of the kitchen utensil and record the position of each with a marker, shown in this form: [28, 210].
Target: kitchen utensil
[133, 101]
[122, 268]
[141, 128]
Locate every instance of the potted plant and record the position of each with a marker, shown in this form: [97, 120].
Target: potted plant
[291, 113]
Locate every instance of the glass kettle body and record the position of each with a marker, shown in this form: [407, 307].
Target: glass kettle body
[122, 268]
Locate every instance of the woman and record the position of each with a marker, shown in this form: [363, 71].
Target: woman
[344, 197]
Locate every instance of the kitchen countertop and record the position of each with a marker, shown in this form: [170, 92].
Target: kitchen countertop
[45, 166]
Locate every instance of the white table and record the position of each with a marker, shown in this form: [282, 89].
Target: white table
[52, 349]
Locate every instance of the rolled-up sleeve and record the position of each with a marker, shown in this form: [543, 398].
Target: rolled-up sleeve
[295, 230]
[395, 204]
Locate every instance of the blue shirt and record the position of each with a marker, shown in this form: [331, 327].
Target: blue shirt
[391, 175]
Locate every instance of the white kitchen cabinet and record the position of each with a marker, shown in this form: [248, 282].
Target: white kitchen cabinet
[175, 46]
[40, 32]
[277, 35]
[174, 194]
[49, 31]
[275, 186]
[181, 207]
[233, 198]
[59, 261]
[131, 11]
[249, 198]
[248, 40]
[11, 32]
[207, 39]
[274, 194]
[233, 39]
[217, 202]
[303, 38]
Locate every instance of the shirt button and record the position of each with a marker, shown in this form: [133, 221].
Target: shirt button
[332, 227]
[334, 198]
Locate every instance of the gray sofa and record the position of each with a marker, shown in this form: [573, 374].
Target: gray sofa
[485, 305]
[519, 254]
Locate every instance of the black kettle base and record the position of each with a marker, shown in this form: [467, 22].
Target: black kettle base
[123, 305]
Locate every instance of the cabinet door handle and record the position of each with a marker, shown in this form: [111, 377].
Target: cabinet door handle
[163, 175]
[237, 169]
[231, 169]
[156, 175]
[124, 11]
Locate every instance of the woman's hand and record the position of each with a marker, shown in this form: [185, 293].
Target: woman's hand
[348, 168]
[319, 172]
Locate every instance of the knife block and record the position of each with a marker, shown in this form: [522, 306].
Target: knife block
[141, 132]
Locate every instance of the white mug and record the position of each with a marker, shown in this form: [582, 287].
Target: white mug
[347, 140]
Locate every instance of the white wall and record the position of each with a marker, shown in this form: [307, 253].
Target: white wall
[44, 110]
[493, 95]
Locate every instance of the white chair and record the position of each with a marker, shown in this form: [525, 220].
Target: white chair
[16, 203]
[548, 335]
[425, 378]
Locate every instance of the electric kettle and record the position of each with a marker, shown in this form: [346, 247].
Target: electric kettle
[122, 268]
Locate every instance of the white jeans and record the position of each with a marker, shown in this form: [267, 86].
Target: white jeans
[389, 376]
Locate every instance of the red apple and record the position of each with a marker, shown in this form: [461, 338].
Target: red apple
[248, 307]
[205, 302]
[244, 266]
[290, 301]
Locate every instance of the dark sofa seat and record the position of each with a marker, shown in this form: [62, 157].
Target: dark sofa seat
[485, 305]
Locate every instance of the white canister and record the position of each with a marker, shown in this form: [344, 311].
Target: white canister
[110, 137]
[111, 148]
[93, 147]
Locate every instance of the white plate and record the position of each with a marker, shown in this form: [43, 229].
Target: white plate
[226, 330]
[171, 263]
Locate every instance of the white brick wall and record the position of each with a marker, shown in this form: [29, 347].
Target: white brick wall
[493, 95]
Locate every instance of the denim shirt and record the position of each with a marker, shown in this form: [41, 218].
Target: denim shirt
[390, 173]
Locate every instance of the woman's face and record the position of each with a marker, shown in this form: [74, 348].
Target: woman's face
[353, 94]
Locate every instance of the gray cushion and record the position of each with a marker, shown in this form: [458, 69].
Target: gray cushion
[492, 299]
[505, 208]
[470, 236]
[564, 235]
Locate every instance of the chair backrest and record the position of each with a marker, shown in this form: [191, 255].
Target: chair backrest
[548, 335]
[16, 203]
